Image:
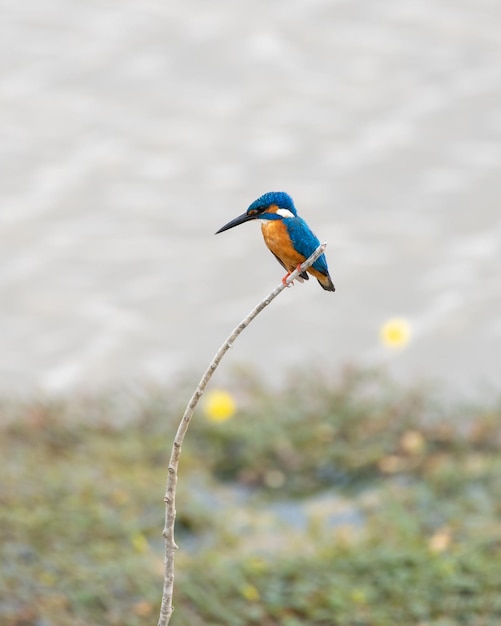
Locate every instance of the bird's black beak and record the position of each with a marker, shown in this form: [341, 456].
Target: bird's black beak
[238, 220]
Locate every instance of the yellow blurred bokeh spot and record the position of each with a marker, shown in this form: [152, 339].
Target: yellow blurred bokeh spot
[139, 542]
[219, 406]
[412, 442]
[250, 593]
[441, 540]
[395, 333]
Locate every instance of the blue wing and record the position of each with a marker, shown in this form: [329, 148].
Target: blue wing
[305, 242]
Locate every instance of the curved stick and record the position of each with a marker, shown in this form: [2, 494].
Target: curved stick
[170, 494]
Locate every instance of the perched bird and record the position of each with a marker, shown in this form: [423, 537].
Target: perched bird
[287, 235]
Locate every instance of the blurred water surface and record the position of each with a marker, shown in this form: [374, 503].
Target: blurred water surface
[130, 132]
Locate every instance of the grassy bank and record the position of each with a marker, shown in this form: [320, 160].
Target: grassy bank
[346, 502]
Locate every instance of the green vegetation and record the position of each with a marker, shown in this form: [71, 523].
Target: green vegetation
[330, 503]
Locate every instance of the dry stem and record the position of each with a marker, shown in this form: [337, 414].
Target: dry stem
[170, 494]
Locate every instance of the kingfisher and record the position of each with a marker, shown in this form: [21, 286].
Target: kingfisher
[287, 236]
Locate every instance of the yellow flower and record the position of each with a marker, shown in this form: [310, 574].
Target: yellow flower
[219, 406]
[139, 542]
[358, 596]
[250, 593]
[395, 333]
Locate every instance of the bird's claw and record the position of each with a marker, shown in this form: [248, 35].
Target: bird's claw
[284, 280]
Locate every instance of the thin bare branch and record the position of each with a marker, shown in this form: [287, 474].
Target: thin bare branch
[170, 494]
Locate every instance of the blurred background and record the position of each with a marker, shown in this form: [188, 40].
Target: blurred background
[130, 132]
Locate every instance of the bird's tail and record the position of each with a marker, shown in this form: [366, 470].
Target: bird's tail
[326, 283]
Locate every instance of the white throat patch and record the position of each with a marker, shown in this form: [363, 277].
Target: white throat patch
[285, 213]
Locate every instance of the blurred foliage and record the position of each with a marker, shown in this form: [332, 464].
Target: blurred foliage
[323, 433]
[81, 508]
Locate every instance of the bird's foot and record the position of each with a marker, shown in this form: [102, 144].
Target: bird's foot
[284, 280]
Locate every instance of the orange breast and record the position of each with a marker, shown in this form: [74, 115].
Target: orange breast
[278, 241]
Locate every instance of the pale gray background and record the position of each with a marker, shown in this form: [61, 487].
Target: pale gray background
[131, 131]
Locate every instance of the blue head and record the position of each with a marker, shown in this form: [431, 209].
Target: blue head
[274, 205]
[268, 201]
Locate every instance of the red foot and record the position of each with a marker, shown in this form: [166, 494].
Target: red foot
[284, 279]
